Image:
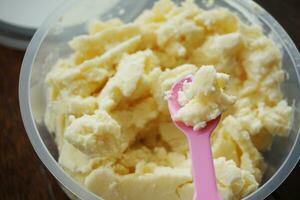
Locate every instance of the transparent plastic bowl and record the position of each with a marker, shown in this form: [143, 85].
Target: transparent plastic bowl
[69, 20]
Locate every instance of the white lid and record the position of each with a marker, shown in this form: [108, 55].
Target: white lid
[19, 19]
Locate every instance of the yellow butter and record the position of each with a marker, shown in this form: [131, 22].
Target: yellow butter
[108, 112]
[203, 99]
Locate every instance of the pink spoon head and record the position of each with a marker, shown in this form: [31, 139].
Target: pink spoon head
[174, 106]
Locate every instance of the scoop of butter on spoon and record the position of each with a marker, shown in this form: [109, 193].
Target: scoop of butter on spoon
[200, 148]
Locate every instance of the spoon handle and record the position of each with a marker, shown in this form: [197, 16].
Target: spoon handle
[203, 167]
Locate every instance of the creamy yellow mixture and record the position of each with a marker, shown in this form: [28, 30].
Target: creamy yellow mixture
[203, 99]
[112, 126]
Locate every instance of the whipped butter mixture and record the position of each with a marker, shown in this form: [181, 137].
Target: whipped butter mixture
[107, 107]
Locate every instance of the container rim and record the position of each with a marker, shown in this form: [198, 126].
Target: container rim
[24, 99]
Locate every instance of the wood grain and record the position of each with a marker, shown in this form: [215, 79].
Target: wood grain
[23, 176]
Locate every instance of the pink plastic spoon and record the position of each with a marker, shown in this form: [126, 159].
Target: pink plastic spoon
[200, 149]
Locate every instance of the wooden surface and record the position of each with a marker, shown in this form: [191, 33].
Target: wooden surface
[23, 176]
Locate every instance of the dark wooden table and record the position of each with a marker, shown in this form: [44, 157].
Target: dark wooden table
[23, 176]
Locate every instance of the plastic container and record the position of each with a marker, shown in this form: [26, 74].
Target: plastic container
[50, 43]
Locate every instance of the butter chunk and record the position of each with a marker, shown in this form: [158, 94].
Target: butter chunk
[219, 50]
[129, 74]
[111, 56]
[160, 184]
[224, 146]
[144, 112]
[233, 182]
[74, 81]
[95, 135]
[74, 160]
[276, 119]
[85, 45]
[251, 158]
[96, 26]
[203, 99]
[174, 137]
[218, 20]
[134, 119]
